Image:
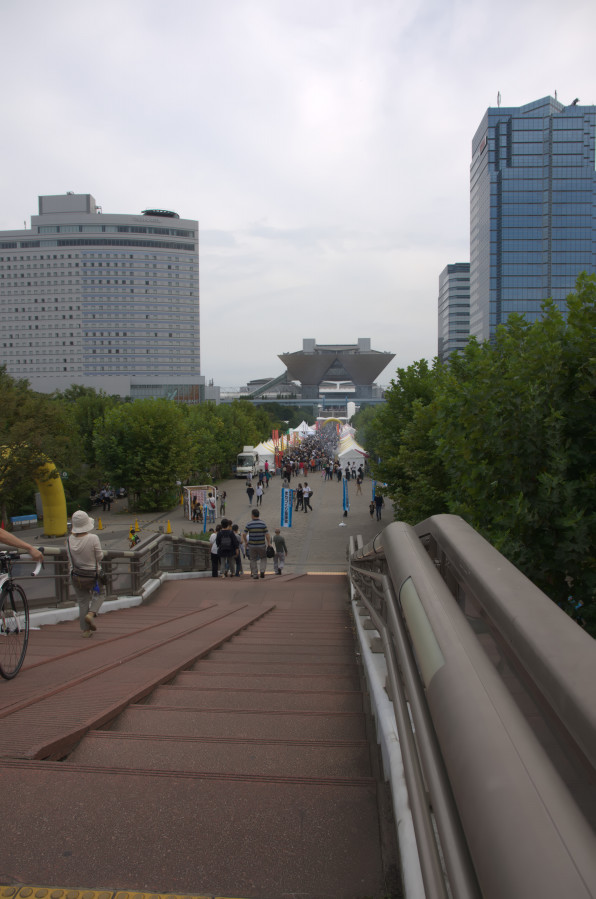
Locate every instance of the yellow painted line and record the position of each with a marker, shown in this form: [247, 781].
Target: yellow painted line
[37, 892]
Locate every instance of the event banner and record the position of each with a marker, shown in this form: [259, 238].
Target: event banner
[287, 504]
[346, 498]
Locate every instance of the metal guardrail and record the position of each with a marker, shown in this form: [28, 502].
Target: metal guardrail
[475, 652]
[128, 571]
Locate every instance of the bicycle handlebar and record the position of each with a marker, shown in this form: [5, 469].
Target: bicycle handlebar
[14, 554]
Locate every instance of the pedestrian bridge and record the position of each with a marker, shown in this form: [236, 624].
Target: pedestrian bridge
[214, 738]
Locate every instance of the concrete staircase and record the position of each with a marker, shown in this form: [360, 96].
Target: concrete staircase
[259, 765]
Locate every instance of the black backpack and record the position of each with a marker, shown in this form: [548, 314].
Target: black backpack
[226, 543]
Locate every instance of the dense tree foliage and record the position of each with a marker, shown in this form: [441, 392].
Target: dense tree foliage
[32, 432]
[146, 447]
[282, 417]
[504, 436]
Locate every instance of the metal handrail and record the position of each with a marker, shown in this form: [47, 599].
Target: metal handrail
[128, 571]
[522, 829]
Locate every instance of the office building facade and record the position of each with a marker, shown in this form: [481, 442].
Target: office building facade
[106, 301]
[454, 309]
[532, 209]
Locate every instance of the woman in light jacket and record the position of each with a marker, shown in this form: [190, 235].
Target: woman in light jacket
[85, 555]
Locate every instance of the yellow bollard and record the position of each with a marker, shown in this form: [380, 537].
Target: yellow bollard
[137, 528]
[169, 527]
[99, 525]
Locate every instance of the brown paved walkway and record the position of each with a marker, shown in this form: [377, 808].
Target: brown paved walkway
[225, 752]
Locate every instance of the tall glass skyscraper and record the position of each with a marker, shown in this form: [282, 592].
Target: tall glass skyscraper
[532, 209]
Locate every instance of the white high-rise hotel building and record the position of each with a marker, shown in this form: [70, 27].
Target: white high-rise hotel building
[106, 301]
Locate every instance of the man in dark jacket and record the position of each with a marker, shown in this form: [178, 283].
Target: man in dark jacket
[228, 547]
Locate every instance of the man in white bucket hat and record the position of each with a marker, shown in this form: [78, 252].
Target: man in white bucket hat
[85, 554]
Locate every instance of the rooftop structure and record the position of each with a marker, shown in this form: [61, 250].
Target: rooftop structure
[352, 367]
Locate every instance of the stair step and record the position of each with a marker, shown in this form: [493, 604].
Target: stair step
[267, 700]
[224, 836]
[268, 758]
[297, 654]
[247, 724]
[271, 667]
[234, 680]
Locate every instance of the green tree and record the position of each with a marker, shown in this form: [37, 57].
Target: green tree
[382, 434]
[146, 447]
[32, 432]
[89, 407]
[514, 431]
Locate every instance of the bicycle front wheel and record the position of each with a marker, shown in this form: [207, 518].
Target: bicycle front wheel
[14, 629]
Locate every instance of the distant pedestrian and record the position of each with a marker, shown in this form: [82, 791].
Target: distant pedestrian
[299, 497]
[256, 538]
[211, 508]
[379, 503]
[281, 551]
[222, 502]
[250, 492]
[259, 492]
[359, 484]
[214, 550]
[241, 552]
[228, 548]
[371, 508]
[306, 494]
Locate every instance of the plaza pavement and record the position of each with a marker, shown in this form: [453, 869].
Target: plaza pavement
[317, 540]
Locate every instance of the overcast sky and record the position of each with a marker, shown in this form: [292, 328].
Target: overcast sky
[323, 145]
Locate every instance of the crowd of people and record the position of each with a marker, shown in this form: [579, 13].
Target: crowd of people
[229, 548]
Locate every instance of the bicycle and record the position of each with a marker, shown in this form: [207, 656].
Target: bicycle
[14, 616]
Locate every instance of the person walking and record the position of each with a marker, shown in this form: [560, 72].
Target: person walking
[259, 491]
[256, 538]
[222, 502]
[281, 551]
[379, 503]
[306, 495]
[299, 497]
[228, 547]
[250, 492]
[85, 555]
[241, 552]
[214, 550]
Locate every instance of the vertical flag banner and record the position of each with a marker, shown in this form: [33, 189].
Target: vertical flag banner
[287, 504]
[346, 499]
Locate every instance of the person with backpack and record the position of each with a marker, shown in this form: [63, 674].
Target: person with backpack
[227, 548]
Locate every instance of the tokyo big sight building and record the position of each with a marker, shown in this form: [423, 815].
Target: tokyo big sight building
[532, 209]
[102, 300]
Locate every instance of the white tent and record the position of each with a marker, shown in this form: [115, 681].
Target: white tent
[303, 430]
[266, 451]
[350, 451]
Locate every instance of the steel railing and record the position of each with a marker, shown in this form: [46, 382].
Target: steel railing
[464, 633]
[128, 571]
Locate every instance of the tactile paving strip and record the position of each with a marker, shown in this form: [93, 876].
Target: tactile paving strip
[37, 892]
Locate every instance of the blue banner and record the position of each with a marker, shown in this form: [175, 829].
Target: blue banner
[287, 505]
[346, 499]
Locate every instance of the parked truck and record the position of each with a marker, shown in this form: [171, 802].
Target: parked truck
[247, 463]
